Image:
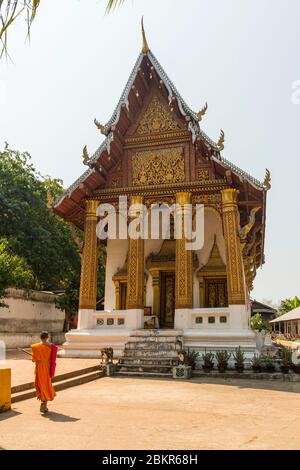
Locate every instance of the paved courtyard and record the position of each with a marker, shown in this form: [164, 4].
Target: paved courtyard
[22, 368]
[126, 413]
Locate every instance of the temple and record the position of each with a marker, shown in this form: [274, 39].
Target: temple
[155, 152]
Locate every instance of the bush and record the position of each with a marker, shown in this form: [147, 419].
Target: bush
[222, 360]
[256, 363]
[208, 361]
[286, 359]
[191, 357]
[257, 323]
[239, 358]
[269, 365]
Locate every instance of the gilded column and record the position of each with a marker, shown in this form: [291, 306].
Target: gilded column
[88, 279]
[118, 297]
[234, 264]
[184, 260]
[156, 292]
[135, 269]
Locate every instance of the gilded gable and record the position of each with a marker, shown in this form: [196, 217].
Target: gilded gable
[158, 166]
[157, 118]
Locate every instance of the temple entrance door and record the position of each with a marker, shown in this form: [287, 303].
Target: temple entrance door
[167, 304]
[216, 293]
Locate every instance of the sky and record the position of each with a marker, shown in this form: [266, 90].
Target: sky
[242, 57]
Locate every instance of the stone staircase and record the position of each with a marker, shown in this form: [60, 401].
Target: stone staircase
[150, 353]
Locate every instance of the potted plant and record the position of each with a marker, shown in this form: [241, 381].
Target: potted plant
[208, 361]
[295, 368]
[222, 360]
[256, 363]
[191, 357]
[269, 365]
[286, 359]
[239, 357]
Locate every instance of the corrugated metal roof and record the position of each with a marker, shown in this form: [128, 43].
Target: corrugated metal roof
[292, 315]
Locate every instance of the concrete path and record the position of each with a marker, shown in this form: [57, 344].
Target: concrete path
[22, 368]
[126, 413]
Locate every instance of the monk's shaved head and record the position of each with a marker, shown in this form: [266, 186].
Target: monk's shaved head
[44, 335]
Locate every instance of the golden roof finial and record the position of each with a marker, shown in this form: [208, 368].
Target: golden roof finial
[145, 48]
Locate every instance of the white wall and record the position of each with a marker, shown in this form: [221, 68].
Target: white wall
[116, 253]
[212, 228]
[28, 315]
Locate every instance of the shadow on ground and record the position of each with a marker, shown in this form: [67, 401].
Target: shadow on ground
[255, 384]
[9, 414]
[59, 417]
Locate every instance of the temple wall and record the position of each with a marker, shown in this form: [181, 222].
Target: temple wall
[212, 227]
[27, 315]
[116, 256]
[117, 252]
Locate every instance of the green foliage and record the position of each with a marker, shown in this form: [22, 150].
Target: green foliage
[239, 357]
[286, 356]
[14, 270]
[257, 323]
[256, 362]
[269, 364]
[222, 360]
[34, 232]
[10, 11]
[287, 305]
[208, 360]
[190, 358]
[112, 4]
[38, 251]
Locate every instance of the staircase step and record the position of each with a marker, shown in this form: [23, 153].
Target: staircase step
[141, 374]
[152, 345]
[146, 360]
[146, 366]
[79, 380]
[154, 339]
[148, 353]
[157, 333]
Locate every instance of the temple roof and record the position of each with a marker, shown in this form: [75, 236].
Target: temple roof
[185, 110]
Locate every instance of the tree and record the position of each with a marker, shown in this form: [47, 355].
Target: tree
[33, 233]
[287, 305]
[10, 10]
[257, 323]
[38, 250]
[14, 270]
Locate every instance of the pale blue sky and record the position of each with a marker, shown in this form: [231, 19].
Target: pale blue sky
[241, 56]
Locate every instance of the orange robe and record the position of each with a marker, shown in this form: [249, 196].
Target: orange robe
[43, 385]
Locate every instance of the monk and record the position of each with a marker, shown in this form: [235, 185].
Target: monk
[44, 355]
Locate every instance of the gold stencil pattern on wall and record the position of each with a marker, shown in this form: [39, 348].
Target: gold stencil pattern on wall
[158, 166]
[157, 118]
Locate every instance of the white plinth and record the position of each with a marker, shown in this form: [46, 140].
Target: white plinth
[96, 330]
[85, 319]
[215, 336]
[90, 337]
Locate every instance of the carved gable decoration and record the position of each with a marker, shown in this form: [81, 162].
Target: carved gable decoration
[215, 262]
[157, 118]
[158, 166]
